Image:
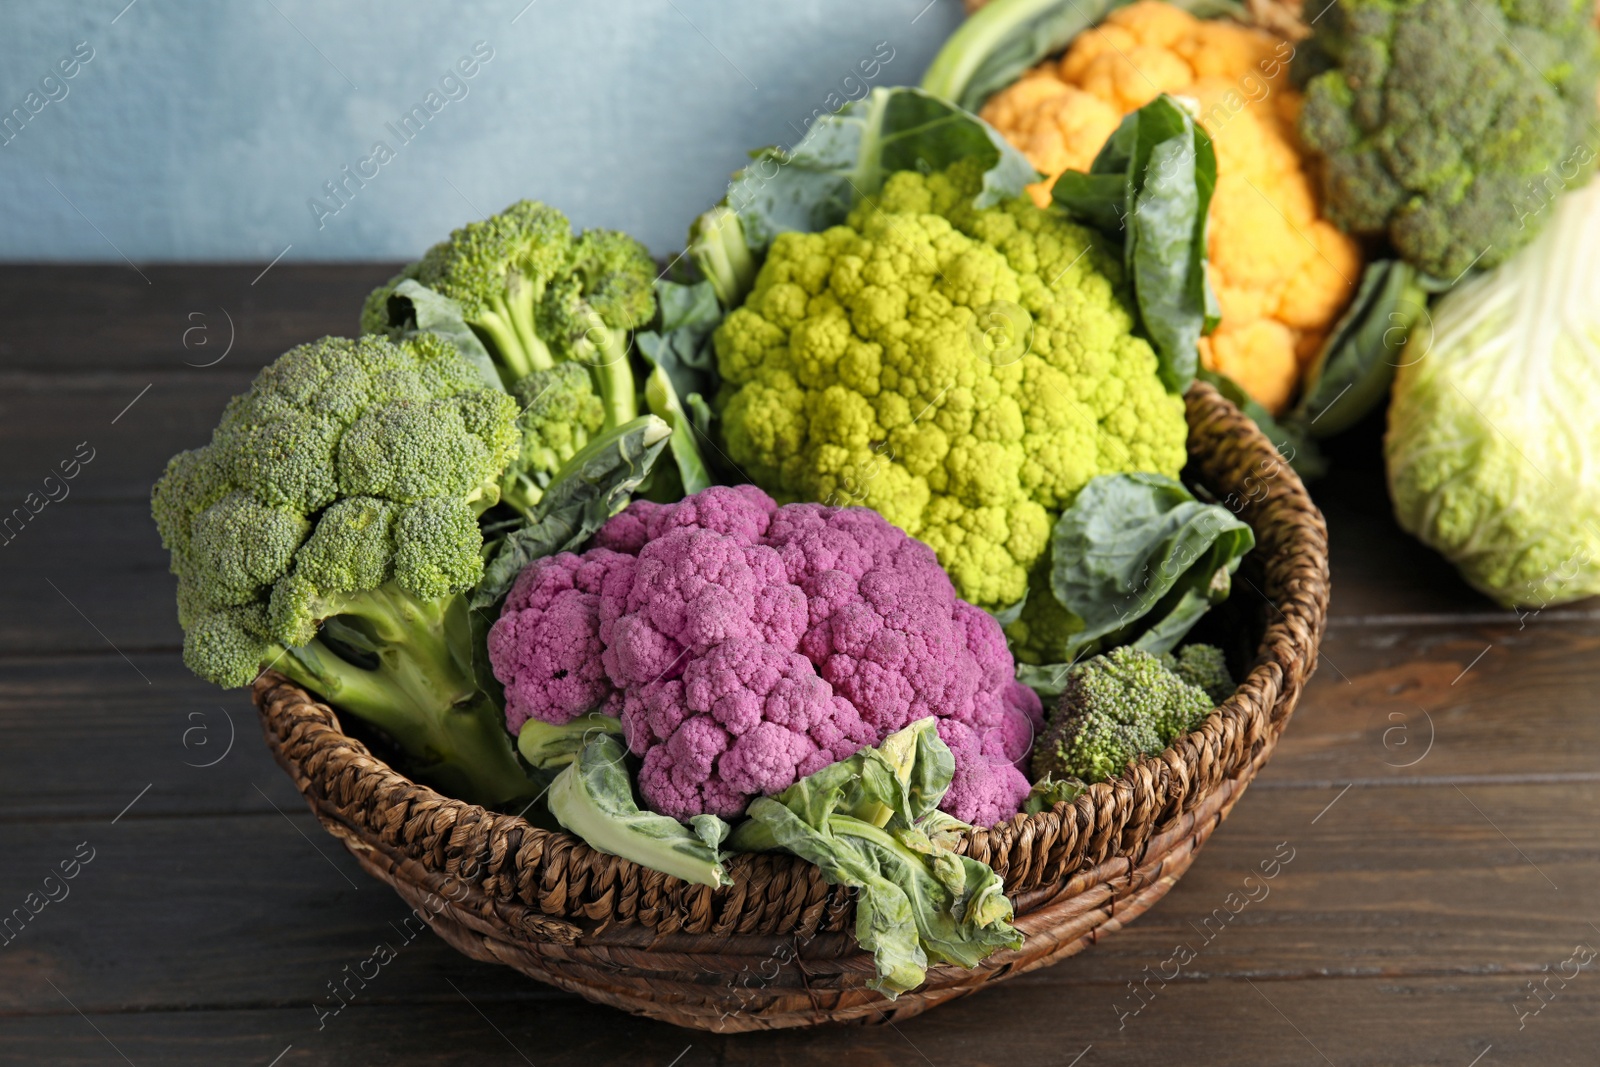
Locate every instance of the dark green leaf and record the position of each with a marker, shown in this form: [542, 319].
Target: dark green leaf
[1351, 374]
[684, 374]
[1138, 558]
[1096, 200]
[847, 156]
[1046, 679]
[1166, 248]
[593, 485]
[1150, 189]
[425, 311]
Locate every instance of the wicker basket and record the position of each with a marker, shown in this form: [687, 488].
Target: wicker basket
[774, 950]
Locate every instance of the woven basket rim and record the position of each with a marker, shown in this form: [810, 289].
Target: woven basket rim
[581, 892]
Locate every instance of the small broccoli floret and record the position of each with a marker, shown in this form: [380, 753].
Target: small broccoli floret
[328, 532]
[1204, 667]
[590, 313]
[560, 414]
[1114, 709]
[537, 296]
[499, 270]
[409, 450]
[1451, 125]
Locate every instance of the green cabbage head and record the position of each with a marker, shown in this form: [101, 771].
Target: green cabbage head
[1493, 447]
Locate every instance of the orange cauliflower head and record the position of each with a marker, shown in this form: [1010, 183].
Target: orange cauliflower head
[1282, 273]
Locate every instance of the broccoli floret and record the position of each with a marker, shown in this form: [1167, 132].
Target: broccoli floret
[1451, 125]
[537, 296]
[560, 414]
[589, 314]
[1204, 667]
[1114, 709]
[328, 532]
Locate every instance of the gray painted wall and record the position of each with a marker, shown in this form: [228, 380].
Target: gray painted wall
[206, 129]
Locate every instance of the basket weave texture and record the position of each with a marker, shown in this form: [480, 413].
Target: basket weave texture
[774, 949]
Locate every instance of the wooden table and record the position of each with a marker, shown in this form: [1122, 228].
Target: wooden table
[1437, 792]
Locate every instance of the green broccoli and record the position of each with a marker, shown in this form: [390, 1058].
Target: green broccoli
[560, 414]
[328, 532]
[537, 296]
[1204, 667]
[1449, 125]
[1114, 709]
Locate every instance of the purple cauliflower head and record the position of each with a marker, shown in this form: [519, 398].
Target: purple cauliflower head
[746, 645]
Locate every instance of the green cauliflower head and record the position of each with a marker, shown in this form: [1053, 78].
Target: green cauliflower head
[1492, 450]
[1451, 125]
[964, 372]
[340, 452]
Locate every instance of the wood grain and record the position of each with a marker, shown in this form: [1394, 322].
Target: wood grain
[74, 320]
[1421, 1022]
[1385, 882]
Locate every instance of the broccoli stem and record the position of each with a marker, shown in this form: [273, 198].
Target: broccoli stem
[501, 338]
[613, 375]
[718, 247]
[422, 692]
[521, 298]
[508, 325]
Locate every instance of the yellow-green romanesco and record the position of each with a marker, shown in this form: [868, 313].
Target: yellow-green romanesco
[964, 372]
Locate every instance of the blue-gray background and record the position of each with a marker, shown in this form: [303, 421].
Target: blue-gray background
[201, 129]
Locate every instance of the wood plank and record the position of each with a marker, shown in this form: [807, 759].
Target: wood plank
[110, 549]
[46, 421]
[451, 1030]
[1252, 1023]
[1424, 1022]
[1386, 882]
[57, 319]
[84, 736]
[1521, 712]
[105, 558]
[1395, 703]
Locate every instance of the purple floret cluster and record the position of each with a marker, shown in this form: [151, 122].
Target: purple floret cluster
[746, 645]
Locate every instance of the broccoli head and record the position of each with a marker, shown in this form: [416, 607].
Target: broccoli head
[536, 296]
[1115, 708]
[1204, 667]
[328, 530]
[560, 414]
[964, 372]
[1450, 125]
